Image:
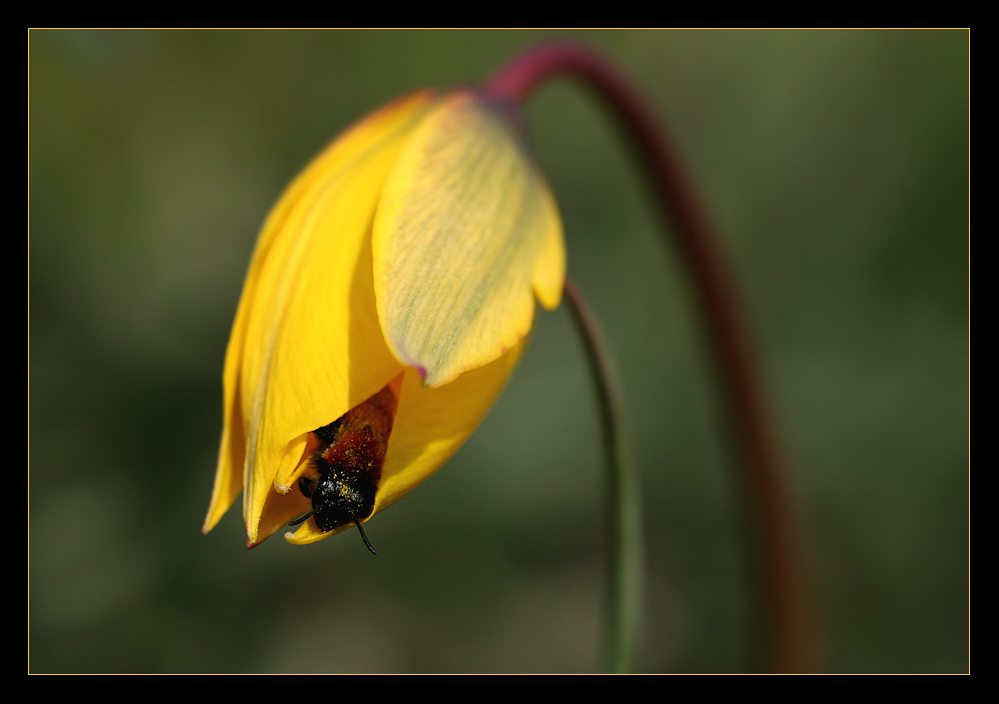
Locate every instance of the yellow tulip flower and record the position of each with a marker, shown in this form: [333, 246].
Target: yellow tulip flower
[387, 301]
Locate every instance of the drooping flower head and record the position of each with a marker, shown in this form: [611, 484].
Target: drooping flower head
[394, 281]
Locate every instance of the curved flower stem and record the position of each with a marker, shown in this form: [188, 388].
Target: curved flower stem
[787, 606]
[624, 576]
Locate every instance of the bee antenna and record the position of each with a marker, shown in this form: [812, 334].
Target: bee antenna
[364, 537]
[300, 519]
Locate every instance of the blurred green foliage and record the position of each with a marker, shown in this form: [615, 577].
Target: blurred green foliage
[836, 166]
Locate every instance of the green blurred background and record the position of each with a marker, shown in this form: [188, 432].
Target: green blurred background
[835, 164]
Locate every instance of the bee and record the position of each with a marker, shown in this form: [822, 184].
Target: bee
[344, 469]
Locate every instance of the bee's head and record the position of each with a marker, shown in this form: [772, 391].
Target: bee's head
[342, 496]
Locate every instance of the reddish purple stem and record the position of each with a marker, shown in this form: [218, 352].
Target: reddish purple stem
[789, 621]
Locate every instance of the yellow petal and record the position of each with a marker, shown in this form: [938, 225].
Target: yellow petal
[306, 344]
[466, 234]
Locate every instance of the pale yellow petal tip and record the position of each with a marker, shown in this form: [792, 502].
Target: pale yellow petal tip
[211, 520]
[228, 473]
[293, 538]
[216, 510]
[549, 268]
[444, 376]
[309, 533]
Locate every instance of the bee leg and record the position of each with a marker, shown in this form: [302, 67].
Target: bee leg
[300, 519]
[364, 537]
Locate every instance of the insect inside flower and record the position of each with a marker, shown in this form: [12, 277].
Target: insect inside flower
[391, 293]
[343, 471]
